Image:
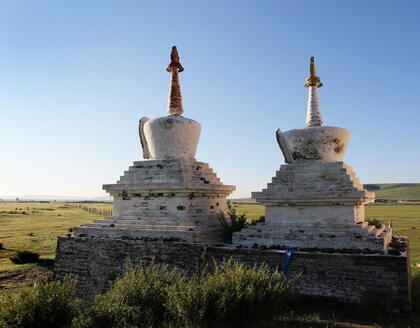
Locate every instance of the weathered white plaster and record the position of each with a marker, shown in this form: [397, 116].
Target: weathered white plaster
[171, 137]
[324, 143]
[313, 113]
[170, 198]
[315, 204]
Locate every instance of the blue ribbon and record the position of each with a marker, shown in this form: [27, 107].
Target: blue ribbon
[286, 260]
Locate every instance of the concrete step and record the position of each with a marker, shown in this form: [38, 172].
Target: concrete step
[179, 222]
[353, 229]
[102, 232]
[348, 242]
[142, 180]
[145, 221]
[186, 218]
[141, 227]
[308, 234]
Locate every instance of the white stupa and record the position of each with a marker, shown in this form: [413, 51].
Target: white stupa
[315, 201]
[169, 194]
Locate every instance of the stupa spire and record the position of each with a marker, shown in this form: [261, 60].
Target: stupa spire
[313, 82]
[175, 97]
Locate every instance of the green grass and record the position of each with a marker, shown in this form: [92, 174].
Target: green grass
[403, 191]
[35, 227]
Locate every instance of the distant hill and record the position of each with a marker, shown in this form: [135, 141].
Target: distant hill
[403, 191]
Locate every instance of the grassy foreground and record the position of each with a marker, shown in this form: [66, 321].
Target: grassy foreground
[35, 227]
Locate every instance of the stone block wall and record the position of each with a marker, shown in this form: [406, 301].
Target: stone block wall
[98, 261]
[346, 277]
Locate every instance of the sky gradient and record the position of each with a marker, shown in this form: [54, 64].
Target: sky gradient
[77, 75]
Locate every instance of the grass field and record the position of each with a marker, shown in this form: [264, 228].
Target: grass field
[35, 227]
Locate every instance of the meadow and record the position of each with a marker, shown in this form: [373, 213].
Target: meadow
[35, 227]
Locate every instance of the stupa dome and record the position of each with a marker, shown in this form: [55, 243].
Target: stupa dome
[172, 136]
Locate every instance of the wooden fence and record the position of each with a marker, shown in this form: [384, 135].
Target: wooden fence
[92, 210]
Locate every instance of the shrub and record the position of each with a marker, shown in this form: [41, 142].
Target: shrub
[46, 305]
[135, 300]
[1, 245]
[375, 222]
[231, 295]
[235, 222]
[261, 218]
[22, 257]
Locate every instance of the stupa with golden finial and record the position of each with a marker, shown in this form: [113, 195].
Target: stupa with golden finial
[315, 201]
[169, 194]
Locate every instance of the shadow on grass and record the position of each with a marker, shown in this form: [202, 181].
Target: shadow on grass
[371, 311]
[46, 263]
[280, 323]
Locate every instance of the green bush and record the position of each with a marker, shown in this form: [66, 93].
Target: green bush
[235, 222]
[375, 222]
[135, 300]
[157, 296]
[261, 218]
[22, 257]
[46, 305]
[232, 294]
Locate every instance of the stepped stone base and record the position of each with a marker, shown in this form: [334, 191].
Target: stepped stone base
[360, 237]
[345, 277]
[165, 198]
[315, 204]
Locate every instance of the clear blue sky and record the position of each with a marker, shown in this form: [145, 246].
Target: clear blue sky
[75, 77]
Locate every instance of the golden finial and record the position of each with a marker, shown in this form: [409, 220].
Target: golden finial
[313, 80]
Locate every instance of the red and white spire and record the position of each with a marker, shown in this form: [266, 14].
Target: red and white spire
[175, 97]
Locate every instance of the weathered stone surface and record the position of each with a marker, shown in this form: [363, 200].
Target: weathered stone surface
[178, 198]
[313, 112]
[315, 204]
[325, 143]
[346, 277]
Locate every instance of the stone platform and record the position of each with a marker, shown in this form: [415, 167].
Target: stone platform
[345, 277]
[173, 198]
[315, 204]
